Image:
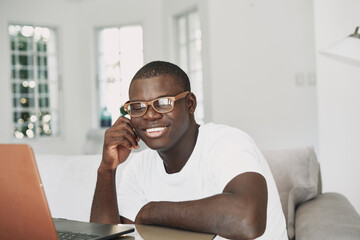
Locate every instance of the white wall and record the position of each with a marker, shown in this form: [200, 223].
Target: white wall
[262, 70]
[339, 100]
[5, 89]
[257, 54]
[76, 22]
[97, 13]
[46, 13]
[173, 8]
[252, 56]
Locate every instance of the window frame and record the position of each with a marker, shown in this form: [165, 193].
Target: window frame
[54, 83]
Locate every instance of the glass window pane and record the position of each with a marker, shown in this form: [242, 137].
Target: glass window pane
[23, 45]
[13, 59]
[25, 60]
[44, 102]
[41, 46]
[22, 88]
[13, 45]
[194, 26]
[189, 55]
[22, 116]
[42, 74]
[120, 55]
[43, 88]
[182, 30]
[41, 61]
[183, 58]
[26, 74]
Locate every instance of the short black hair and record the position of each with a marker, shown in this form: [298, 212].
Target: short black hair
[157, 68]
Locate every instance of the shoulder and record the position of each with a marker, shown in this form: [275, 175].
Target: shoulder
[229, 152]
[224, 135]
[225, 144]
[221, 129]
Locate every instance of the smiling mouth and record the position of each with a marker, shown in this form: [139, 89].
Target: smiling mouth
[154, 132]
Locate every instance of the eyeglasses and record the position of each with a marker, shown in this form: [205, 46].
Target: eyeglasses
[160, 105]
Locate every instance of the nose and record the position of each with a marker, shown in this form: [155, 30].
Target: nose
[151, 114]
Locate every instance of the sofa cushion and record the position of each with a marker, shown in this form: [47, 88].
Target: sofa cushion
[296, 175]
[328, 216]
[69, 183]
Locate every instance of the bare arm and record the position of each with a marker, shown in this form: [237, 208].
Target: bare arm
[104, 208]
[119, 140]
[238, 213]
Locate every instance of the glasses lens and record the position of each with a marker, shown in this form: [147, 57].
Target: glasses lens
[137, 108]
[163, 105]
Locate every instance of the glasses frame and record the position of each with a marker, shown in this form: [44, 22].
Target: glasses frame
[151, 103]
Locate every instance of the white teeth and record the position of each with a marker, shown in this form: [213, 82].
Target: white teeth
[158, 129]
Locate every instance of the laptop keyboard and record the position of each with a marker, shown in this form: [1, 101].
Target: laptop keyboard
[75, 236]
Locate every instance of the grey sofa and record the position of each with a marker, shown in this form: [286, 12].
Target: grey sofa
[69, 183]
[310, 213]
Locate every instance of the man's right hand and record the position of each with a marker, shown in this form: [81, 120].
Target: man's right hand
[119, 140]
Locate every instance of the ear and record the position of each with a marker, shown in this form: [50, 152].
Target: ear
[191, 103]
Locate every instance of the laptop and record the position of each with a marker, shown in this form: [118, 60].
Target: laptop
[24, 211]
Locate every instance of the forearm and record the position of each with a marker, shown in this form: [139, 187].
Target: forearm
[222, 214]
[104, 207]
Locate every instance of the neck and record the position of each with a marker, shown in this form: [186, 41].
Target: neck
[175, 158]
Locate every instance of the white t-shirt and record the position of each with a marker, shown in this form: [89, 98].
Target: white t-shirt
[220, 154]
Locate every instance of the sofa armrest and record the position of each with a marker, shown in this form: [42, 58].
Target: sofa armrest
[328, 216]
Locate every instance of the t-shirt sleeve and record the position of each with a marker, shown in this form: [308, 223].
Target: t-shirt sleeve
[130, 195]
[233, 154]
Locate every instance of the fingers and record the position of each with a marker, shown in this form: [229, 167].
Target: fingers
[121, 138]
[122, 133]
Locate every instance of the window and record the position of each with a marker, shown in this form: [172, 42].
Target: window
[188, 47]
[35, 82]
[120, 55]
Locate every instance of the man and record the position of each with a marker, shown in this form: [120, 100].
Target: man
[210, 178]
